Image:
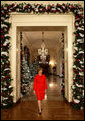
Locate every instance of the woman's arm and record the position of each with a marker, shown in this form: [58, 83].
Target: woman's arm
[45, 83]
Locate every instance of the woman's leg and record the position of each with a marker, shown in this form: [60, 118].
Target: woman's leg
[39, 105]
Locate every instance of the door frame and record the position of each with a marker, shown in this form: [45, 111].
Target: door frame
[22, 20]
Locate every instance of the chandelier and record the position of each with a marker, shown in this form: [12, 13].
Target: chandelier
[43, 52]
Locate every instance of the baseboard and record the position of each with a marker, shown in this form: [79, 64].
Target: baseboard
[15, 103]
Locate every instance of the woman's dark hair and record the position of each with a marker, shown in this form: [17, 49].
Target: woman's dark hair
[39, 68]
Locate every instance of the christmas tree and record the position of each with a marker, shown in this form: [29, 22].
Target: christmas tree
[25, 77]
[33, 68]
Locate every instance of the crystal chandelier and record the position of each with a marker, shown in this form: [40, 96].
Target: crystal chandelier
[43, 52]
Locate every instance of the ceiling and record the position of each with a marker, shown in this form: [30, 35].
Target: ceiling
[32, 38]
[52, 39]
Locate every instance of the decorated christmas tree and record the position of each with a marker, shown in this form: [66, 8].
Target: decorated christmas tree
[25, 77]
[33, 68]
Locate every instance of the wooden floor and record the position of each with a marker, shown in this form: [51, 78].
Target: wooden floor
[53, 108]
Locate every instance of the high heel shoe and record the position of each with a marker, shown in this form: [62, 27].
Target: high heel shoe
[40, 113]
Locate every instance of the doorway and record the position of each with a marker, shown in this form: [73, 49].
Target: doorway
[58, 22]
[31, 40]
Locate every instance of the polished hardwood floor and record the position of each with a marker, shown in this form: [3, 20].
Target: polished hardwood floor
[54, 106]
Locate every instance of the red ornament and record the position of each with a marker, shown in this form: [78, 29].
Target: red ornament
[9, 6]
[52, 4]
[76, 17]
[78, 60]
[26, 6]
[2, 93]
[1, 45]
[6, 76]
[4, 13]
[1, 8]
[2, 36]
[72, 7]
[76, 34]
[80, 15]
[59, 5]
[77, 73]
[43, 10]
[1, 31]
[13, 4]
[83, 70]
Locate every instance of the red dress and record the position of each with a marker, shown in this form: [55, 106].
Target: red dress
[40, 84]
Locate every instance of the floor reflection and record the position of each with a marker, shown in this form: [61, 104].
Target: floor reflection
[53, 92]
[53, 107]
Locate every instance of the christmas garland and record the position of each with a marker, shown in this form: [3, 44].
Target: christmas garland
[78, 67]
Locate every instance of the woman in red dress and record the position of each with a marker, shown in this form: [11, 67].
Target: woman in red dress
[40, 86]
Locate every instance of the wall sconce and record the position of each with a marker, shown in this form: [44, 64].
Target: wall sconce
[51, 63]
[51, 85]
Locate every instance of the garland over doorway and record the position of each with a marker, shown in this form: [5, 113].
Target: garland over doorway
[78, 55]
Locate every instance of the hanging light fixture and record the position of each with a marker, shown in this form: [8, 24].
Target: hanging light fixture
[43, 52]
